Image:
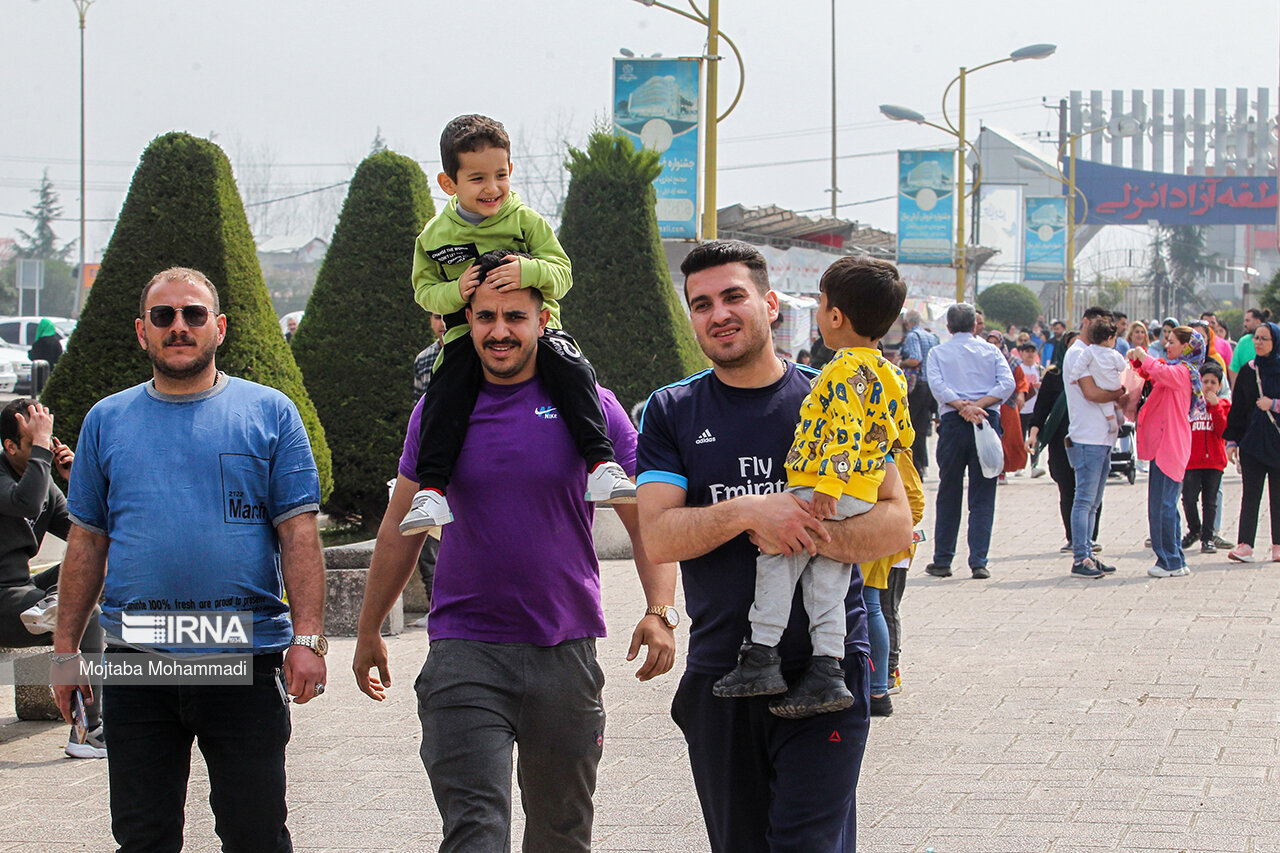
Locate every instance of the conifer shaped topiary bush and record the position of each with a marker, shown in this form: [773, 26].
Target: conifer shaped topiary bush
[362, 330]
[622, 309]
[183, 209]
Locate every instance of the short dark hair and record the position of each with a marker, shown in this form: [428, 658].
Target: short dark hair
[866, 290]
[9, 419]
[1205, 315]
[1120, 315]
[1101, 329]
[1211, 368]
[719, 253]
[496, 258]
[1094, 311]
[470, 133]
[178, 274]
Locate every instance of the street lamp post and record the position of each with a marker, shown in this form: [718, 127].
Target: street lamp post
[1034, 51]
[711, 20]
[82, 8]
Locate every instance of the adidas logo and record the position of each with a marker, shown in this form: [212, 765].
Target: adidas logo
[705, 438]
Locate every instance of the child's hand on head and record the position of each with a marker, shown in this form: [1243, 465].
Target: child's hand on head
[467, 284]
[822, 506]
[506, 276]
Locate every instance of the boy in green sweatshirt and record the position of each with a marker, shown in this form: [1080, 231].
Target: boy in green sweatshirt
[484, 216]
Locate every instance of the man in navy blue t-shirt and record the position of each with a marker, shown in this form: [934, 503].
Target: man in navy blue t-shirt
[711, 487]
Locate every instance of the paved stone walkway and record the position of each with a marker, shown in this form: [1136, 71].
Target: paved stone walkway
[1041, 712]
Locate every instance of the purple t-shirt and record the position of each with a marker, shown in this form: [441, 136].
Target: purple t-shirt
[517, 563]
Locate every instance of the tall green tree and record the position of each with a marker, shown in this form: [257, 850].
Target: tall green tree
[362, 330]
[1009, 303]
[182, 209]
[623, 309]
[42, 242]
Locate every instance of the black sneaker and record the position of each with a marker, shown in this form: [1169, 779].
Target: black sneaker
[1208, 547]
[1189, 539]
[938, 571]
[1222, 543]
[1067, 549]
[758, 673]
[980, 573]
[820, 690]
[1086, 570]
[1103, 567]
[1097, 548]
[881, 706]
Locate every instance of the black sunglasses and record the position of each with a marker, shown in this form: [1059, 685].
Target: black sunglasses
[162, 316]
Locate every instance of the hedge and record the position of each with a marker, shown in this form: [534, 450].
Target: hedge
[362, 329]
[1009, 303]
[623, 309]
[183, 209]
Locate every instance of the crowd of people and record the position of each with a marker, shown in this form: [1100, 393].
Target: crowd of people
[759, 482]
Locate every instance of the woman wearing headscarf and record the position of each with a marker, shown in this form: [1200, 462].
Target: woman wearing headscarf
[47, 345]
[1164, 439]
[1015, 454]
[1253, 438]
[1049, 423]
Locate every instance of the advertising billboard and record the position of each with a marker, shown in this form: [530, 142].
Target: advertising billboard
[656, 105]
[926, 206]
[1120, 196]
[1045, 238]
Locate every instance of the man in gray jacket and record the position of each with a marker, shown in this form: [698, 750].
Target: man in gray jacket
[31, 504]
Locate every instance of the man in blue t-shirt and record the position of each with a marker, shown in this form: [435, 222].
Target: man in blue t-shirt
[201, 491]
[516, 607]
[711, 487]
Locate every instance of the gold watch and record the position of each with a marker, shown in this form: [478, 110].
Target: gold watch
[316, 642]
[666, 613]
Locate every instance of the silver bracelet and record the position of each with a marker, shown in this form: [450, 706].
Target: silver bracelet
[63, 658]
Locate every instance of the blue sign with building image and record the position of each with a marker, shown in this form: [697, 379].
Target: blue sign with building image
[926, 214]
[656, 106]
[1045, 241]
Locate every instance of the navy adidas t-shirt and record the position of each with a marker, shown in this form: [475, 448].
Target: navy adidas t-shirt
[719, 442]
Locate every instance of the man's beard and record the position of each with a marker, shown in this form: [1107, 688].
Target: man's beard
[195, 368]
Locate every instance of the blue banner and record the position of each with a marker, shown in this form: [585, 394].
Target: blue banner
[926, 214]
[1045, 239]
[656, 106]
[1116, 195]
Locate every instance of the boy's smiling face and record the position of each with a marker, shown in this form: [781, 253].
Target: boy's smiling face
[484, 180]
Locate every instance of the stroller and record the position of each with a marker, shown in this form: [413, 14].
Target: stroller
[1124, 461]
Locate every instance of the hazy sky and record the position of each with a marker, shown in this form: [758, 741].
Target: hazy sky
[302, 86]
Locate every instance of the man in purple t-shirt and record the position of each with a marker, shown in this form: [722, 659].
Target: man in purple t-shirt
[516, 606]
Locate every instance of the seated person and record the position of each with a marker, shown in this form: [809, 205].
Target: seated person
[31, 504]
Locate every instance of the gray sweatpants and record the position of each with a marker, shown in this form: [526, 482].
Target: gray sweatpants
[824, 584]
[475, 700]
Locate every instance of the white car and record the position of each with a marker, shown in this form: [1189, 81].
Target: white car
[15, 369]
[21, 331]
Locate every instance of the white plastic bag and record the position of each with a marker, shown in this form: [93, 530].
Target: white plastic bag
[990, 450]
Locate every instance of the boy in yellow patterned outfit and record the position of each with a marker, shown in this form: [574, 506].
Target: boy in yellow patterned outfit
[855, 417]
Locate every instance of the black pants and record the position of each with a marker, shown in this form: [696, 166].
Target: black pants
[1254, 471]
[242, 731]
[769, 785]
[14, 635]
[1065, 476]
[1201, 484]
[921, 406]
[570, 381]
[890, 599]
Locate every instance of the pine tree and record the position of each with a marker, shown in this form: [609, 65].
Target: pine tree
[182, 209]
[622, 309]
[42, 244]
[362, 330]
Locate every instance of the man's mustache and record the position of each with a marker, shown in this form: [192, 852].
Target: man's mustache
[178, 337]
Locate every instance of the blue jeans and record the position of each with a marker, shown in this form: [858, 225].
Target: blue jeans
[1162, 514]
[242, 731]
[1092, 464]
[878, 633]
[956, 453]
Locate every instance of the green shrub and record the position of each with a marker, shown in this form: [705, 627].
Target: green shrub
[1233, 319]
[183, 209]
[623, 309]
[1269, 298]
[1007, 303]
[362, 330]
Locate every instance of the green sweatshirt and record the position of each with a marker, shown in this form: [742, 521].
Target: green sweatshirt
[449, 244]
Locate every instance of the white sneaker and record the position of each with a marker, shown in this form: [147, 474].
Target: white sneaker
[1157, 572]
[608, 483]
[430, 509]
[1037, 472]
[94, 745]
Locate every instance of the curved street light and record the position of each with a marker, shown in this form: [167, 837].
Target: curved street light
[711, 20]
[897, 113]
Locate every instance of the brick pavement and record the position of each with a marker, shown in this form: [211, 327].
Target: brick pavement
[1041, 713]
